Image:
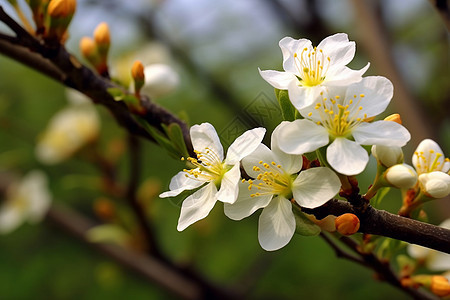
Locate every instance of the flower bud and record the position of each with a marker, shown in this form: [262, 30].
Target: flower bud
[387, 155]
[88, 48]
[61, 8]
[60, 13]
[104, 209]
[101, 35]
[160, 80]
[137, 72]
[435, 184]
[347, 224]
[440, 286]
[401, 176]
[394, 118]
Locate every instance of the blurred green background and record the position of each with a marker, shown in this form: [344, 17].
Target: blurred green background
[216, 46]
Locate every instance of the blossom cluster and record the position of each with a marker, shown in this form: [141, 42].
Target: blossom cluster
[335, 108]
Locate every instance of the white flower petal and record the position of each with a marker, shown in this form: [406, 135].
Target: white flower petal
[387, 133]
[439, 261]
[291, 163]
[246, 205]
[436, 184]
[262, 153]
[197, 206]
[301, 136]
[277, 79]
[34, 186]
[205, 136]
[10, 218]
[289, 47]
[347, 157]
[340, 50]
[378, 92]
[428, 150]
[344, 76]
[228, 191]
[180, 183]
[314, 187]
[276, 224]
[303, 96]
[244, 145]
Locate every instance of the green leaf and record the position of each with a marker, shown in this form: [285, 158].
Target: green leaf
[117, 93]
[159, 138]
[381, 193]
[287, 109]
[176, 136]
[388, 248]
[304, 226]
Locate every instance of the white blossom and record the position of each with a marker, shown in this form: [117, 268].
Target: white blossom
[308, 69]
[276, 183]
[218, 178]
[26, 200]
[67, 132]
[340, 120]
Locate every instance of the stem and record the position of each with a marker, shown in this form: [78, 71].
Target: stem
[137, 207]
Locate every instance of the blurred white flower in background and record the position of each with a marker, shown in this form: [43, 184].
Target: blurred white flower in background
[160, 80]
[68, 131]
[26, 200]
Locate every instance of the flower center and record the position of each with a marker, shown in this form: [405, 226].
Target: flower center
[208, 165]
[428, 162]
[272, 180]
[310, 66]
[340, 116]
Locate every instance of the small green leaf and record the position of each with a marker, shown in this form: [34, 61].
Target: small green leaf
[159, 138]
[381, 193]
[131, 100]
[117, 93]
[176, 136]
[304, 226]
[287, 109]
[108, 233]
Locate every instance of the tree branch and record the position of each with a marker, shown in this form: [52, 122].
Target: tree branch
[147, 266]
[380, 222]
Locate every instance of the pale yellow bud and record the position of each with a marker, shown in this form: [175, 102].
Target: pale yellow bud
[137, 71]
[61, 8]
[387, 155]
[394, 118]
[347, 224]
[87, 47]
[440, 286]
[101, 34]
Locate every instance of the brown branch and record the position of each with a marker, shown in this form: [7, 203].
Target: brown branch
[147, 266]
[374, 40]
[57, 63]
[442, 8]
[380, 222]
[384, 270]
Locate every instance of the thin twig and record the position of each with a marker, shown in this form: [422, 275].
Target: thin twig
[384, 270]
[341, 253]
[136, 206]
